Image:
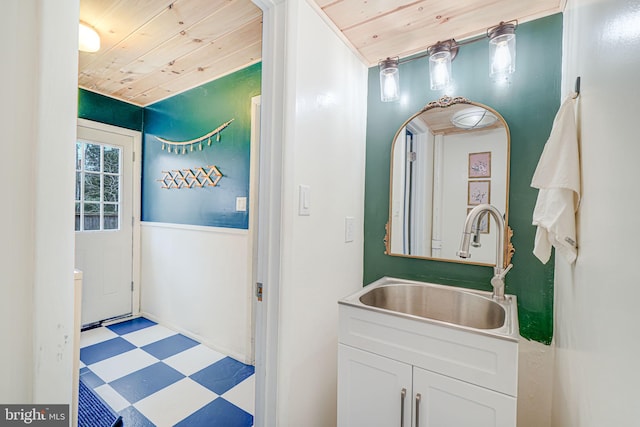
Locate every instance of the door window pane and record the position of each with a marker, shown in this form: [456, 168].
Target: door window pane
[110, 217]
[91, 216]
[97, 187]
[111, 188]
[92, 157]
[92, 187]
[111, 159]
[78, 185]
[77, 216]
[79, 148]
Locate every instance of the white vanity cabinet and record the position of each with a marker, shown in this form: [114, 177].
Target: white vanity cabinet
[373, 391]
[440, 401]
[404, 371]
[377, 391]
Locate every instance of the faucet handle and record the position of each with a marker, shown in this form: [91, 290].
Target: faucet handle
[505, 271]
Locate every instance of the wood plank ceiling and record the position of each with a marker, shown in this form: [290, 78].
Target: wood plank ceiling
[154, 49]
[386, 28]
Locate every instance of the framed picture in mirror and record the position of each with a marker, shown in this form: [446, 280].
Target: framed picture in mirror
[479, 192]
[480, 165]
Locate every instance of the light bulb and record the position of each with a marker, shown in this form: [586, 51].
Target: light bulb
[88, 39]
[389, 80]
[440, 69]
[502, 51]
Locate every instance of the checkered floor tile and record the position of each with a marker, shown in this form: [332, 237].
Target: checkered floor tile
[153, 376]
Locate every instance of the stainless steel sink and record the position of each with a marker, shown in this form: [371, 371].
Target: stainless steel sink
[468, 309]
[445, 305]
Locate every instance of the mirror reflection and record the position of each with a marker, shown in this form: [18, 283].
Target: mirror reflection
[447, 158]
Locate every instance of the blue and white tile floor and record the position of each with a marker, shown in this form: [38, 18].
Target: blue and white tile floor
[153, 376]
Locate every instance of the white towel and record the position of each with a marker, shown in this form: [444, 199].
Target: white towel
[558, 178]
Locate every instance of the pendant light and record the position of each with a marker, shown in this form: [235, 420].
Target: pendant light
[440, 56]
[502, 61]
[502, 51]
[389, 79]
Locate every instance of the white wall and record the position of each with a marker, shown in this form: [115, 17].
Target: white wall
[597, 316]
[197, 281]
[38, 116]
[457, 148]
[324, 147]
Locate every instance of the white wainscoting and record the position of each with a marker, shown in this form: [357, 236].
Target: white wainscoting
[197, 280]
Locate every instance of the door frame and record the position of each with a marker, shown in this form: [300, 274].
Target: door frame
[272, 133]
[135, 203]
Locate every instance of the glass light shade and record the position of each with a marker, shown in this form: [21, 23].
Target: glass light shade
[502, 56]
[440, 69]
[389, 80]
[88, 39]
[473, 118]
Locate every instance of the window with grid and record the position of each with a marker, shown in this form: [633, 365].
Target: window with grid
[98, 169]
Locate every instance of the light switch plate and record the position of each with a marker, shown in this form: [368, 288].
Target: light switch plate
[349, 229]
[304, 200]
[241, 204]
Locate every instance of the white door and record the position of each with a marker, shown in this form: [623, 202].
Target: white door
[104, 220]
[440, 401]
[373, 391]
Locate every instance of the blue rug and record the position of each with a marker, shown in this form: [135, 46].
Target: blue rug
[93, 412]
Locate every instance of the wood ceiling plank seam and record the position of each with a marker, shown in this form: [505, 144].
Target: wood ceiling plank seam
[240, 32]
[397, 23]
[164, 92]
[251, 48]
[326, 3]
[146, 20]
[168, 13]
[148, 82]
[112, 74]
[337, 31]
[395, 41]
[376, 16]
[163, 47]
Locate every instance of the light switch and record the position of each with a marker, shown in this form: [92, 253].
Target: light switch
[241, 204]
[304, 200]
[349, 229]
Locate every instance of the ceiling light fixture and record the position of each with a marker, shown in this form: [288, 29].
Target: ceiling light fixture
[502, 52]
[440, 56]
[88, 38]
[389, 79]
[473, 118]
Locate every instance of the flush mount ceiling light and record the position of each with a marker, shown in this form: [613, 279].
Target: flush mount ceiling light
[502, 52]
[473, 118]
[88, 38]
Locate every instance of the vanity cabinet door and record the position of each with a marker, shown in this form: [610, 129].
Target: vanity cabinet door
[370, 390]
[447, 402]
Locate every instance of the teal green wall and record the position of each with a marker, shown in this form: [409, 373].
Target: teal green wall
[100, 108]
[190, 115]
[528, 105]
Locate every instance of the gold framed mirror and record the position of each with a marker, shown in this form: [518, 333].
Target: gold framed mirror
[448, 157]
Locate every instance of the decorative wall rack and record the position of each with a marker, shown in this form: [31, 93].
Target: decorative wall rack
[190, 178]
[180, 147]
